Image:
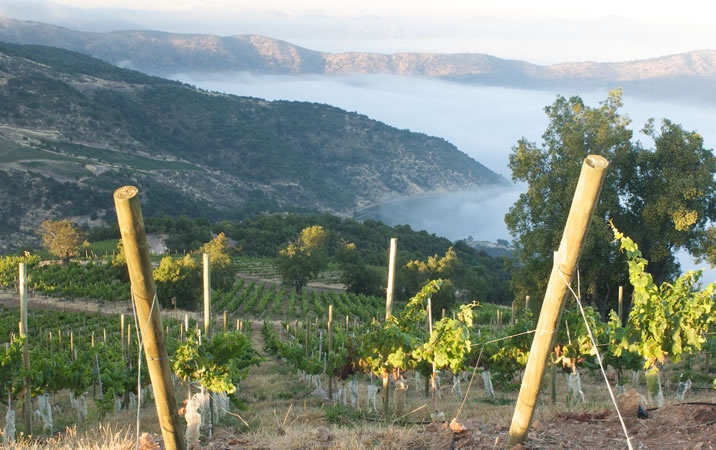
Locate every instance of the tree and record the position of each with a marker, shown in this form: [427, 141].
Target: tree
[303, 259]
[417, 274]
[663, 197]
[358, 277]
[218, 250]
[180, 280]
[62, 238]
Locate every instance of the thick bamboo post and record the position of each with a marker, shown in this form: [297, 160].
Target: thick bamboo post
[136, 249]
[391, 277]
[27, 410]
[207, 295]
[565, 262]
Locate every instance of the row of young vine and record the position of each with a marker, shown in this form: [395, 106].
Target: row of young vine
[93, 358]
[666, 323]
[248, 298]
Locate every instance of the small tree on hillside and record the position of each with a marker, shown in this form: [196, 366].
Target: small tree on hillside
[417, 274]
[356, 275]
[303, 259]
[178, 279]
[219, 260]
[61, 238]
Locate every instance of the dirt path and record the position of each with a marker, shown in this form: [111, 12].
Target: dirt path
[11, 299]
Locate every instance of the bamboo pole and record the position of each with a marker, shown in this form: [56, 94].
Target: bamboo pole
[565, 262]
[207, 295]
[136, 249]
[620, 309]
[27, 410]
[391, 277]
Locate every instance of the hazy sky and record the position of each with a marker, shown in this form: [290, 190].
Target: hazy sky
[686, 11]
[542, 32]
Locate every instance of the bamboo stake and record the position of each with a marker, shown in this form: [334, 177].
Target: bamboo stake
[621, 302]
[131, 226]
[391, 278]
[565, 262]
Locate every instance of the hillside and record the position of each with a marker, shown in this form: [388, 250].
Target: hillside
[689, 76]
[74, 128]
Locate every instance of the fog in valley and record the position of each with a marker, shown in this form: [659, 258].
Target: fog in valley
[484, 122]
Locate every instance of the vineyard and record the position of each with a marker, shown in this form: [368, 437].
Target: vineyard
[319, 368]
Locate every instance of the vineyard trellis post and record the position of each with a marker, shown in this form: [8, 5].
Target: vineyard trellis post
[391, 278]
[134, 239]
[330, 351]
[27, 410]
[585, 200]
[207, 295]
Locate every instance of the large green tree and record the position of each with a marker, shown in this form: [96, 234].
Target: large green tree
[304, 258]
[663, 196]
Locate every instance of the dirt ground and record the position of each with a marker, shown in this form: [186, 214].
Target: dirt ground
[688, 425]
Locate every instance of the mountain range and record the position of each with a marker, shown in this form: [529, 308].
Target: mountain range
[73, 128]
[83, 113]
[688, 76]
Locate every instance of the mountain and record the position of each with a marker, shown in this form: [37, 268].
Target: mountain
[74, 128]
[690, 76]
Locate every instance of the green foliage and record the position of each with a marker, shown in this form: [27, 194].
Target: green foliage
[667, 320]
[356, 275]
[10, 267]
[11, 367]
[449, 344]
[218, 364]
[388, 347]
[96, 280]
[417, 272]
[503, 350]
[222, 272]
[663, 197]
[304, 258]
[180, 280]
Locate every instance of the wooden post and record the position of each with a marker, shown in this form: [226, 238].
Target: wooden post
[207, 296]
[620, 308]
[391, 277]
[124, 342]
[565, 262]
[27, 410]
[527, 303]
[136, 249]
[330, 350]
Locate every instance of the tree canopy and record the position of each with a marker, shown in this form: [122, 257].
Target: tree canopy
[304, 258]
[662, 196]
[61, 238]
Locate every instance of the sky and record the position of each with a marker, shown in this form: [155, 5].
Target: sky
[542, 32]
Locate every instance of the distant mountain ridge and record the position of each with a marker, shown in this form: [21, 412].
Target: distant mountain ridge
[74, 128]
[690, 76]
